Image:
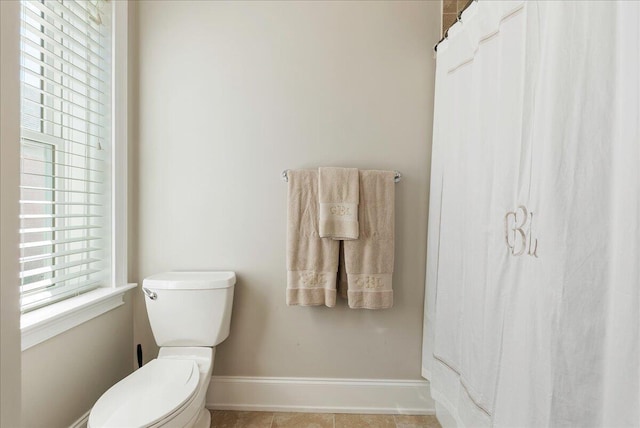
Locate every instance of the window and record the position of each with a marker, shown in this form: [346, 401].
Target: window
[66, 143]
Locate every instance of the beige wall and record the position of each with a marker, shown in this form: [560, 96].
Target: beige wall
[9, 181]
[231, 94]
[132, 173]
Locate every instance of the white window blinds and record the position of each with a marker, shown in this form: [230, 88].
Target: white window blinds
[65, 149]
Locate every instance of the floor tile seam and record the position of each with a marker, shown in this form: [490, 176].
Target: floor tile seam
[395, 421]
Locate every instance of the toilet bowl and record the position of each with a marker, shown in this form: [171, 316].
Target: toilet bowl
[167, 392]
[189, 313]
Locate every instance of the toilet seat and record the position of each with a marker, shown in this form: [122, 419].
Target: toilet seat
[148, 396]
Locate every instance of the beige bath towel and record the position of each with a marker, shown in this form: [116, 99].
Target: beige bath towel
[369, 260]
[312, 262]
[338, 189]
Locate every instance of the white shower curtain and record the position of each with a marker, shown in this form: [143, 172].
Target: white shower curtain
[532, 303]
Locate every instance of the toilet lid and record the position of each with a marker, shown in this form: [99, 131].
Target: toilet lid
[148, 395]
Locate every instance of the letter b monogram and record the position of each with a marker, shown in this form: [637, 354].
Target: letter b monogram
[518, 225]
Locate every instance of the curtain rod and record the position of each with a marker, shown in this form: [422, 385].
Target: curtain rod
[396, 178]
[458, 19]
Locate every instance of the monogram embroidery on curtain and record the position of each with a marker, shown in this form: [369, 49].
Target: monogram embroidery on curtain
[518, 225]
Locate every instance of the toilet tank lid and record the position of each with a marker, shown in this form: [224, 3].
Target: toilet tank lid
[203, 280]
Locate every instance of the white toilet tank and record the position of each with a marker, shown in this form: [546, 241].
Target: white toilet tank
[189, 308]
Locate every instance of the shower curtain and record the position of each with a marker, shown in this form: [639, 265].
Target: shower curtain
[532, 287]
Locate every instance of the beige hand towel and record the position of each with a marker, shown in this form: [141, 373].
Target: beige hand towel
[339, 194]
[369, 260]
[312, 262]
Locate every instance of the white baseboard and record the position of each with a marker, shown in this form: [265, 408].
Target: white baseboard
[318, 395]
[82, 421]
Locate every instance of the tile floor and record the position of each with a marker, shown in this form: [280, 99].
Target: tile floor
[233, 419]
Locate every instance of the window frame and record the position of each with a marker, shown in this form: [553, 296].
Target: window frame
[44, 323]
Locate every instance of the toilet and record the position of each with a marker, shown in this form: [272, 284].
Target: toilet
[189, 313]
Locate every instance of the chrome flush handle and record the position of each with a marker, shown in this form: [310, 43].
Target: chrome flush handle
[150, 294]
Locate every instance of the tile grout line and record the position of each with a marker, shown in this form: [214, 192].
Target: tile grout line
[273, 416]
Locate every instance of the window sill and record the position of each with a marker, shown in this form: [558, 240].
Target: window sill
[45, 323]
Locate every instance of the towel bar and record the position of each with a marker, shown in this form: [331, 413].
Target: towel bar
[396, 178]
